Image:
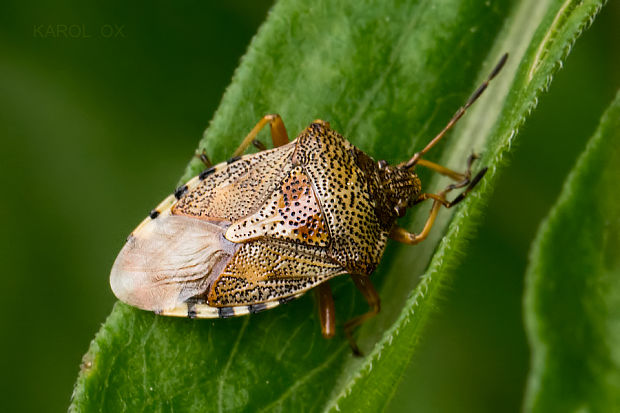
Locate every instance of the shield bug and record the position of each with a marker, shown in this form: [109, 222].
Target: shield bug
[261, 229]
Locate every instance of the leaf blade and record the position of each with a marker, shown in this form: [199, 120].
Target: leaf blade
[373, 79]
[572, 289]
[520, 101]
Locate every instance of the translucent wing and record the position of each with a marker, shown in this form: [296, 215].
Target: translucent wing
[168, 260]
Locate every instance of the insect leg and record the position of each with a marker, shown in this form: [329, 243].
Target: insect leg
[362, 282]
[402, 235]
[259, 145]
[327, 313]
[457, 176]
[278, 133]
[204, 159]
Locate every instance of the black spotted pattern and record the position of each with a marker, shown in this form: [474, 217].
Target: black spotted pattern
[345, 197]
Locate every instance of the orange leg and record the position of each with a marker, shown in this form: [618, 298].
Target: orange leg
[457, 176]
[279, 136]
[362, 282]
[327, 312]
[402, 235]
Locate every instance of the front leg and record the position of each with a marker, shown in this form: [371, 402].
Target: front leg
[402, 235]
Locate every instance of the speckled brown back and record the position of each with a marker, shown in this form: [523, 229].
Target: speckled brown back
[291, 213]
[268, 269]
[239, 189]
[344, 191]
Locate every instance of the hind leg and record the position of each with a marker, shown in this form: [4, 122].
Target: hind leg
[362, 282]
[279, 136]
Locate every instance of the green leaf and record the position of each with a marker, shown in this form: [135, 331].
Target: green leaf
[572, 296]
[388, 75]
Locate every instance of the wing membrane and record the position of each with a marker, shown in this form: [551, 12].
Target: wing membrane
[168, 260]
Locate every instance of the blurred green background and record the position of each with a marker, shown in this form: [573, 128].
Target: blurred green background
[97, 126]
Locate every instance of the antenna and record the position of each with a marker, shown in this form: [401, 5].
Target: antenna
[459, 113]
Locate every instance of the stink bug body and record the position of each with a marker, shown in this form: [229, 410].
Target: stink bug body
[264, 228]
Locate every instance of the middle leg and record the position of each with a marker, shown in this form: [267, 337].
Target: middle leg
[327, 313]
